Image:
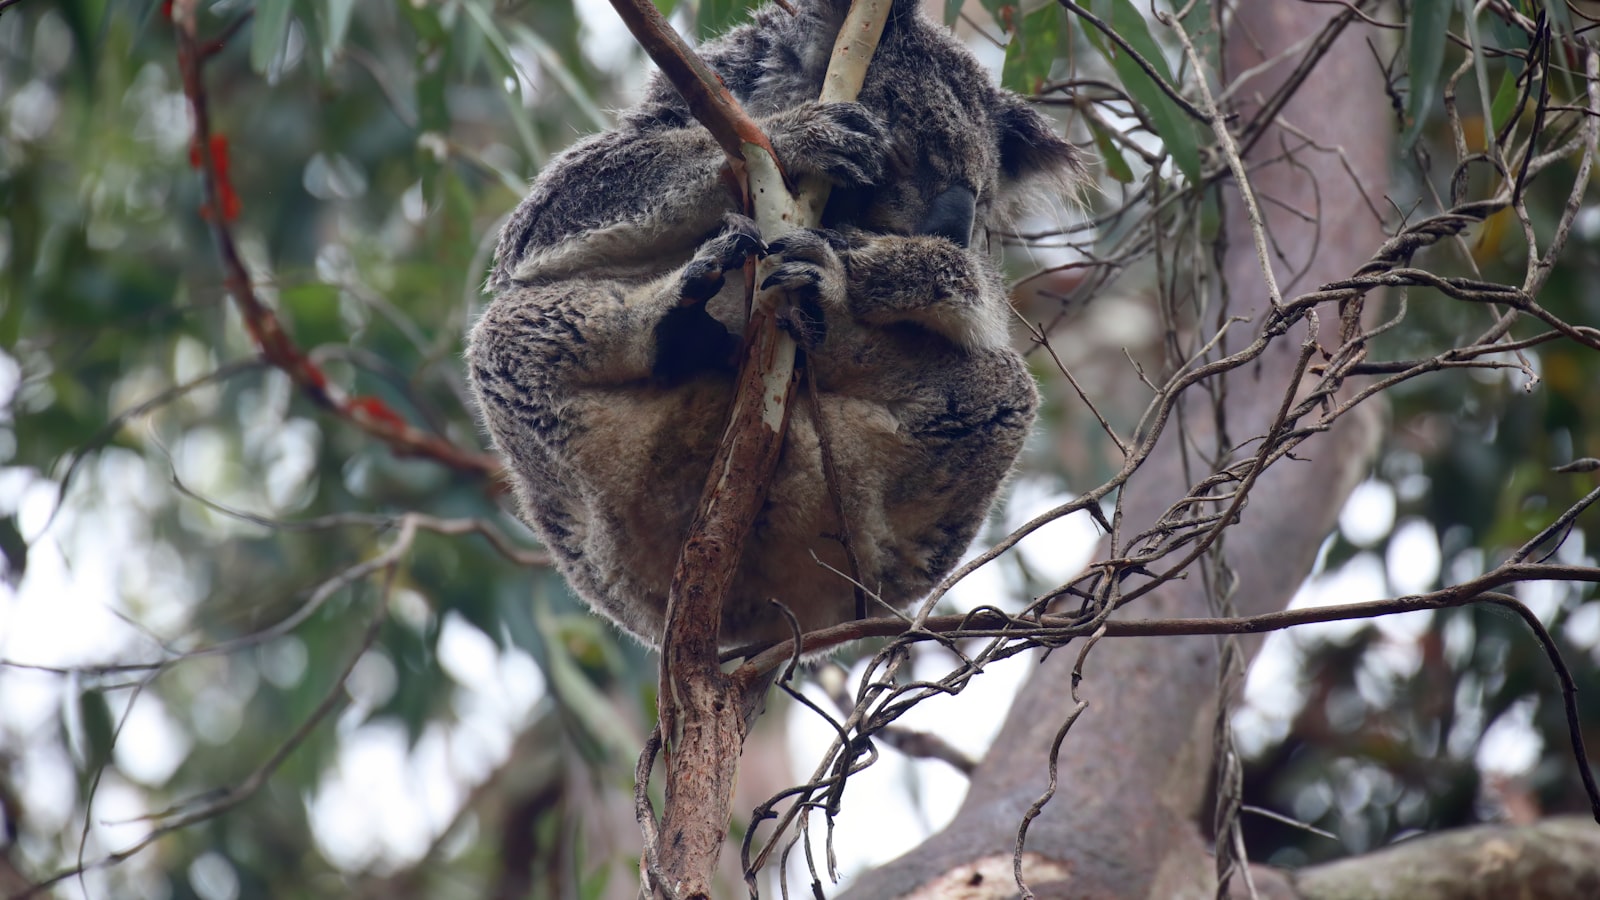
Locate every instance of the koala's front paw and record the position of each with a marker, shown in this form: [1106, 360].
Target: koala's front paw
[843, 142]
[812, 279]
[703, 277]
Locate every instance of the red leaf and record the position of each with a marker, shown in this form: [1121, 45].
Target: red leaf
[377, 409]
[219, 153]
[227, 197]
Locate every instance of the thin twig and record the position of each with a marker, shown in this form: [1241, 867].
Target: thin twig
[182, 815]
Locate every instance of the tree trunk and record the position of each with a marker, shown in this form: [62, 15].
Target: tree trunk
[1135, 768]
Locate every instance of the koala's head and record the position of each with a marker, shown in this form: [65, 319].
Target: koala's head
[964, 154]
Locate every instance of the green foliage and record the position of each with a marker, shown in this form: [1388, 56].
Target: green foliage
[1426, 36]
[713, 17]
[1110, 154]
[1032, 50]
[375, 149]
[269, 32]
[1172, 124]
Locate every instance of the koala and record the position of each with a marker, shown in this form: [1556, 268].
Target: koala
[605, 362]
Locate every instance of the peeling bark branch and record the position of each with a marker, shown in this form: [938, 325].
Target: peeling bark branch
[704, 713]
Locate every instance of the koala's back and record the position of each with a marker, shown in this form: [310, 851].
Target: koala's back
[924, 403]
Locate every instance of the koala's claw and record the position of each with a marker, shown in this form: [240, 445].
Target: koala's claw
[796, 278]
[743, 235]
[810, 269]
[813, 244]
[703, 277]
[802, 318]
[811, 279]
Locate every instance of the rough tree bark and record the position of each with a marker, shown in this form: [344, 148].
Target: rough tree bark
[1555, 858]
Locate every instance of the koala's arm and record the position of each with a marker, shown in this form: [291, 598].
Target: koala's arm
[618, 202]
[539, 345]
[595, 284]
[637, 201]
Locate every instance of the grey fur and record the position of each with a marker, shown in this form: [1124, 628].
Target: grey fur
[605, 372]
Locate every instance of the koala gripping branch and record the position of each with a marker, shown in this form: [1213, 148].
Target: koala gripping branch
[703, 713]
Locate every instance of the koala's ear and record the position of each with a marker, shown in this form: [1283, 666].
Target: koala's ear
[1029, 146]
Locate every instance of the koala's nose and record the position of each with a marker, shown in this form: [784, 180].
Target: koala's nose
[950, 216]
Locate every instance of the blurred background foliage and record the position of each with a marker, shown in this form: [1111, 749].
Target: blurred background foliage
[484, 744]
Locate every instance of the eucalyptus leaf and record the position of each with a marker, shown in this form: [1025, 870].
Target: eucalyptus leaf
[578, 696]
[337, 25]
[99, 730]
[1425, 41]
[270, 30]
[1003, 11]
[511, 93]
[713, 17]
[1174, 126]
[1505, 101]
[1111, 157]
[557, 68]
[1031, 52]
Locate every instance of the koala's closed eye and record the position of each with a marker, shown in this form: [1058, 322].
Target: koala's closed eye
[604, 364]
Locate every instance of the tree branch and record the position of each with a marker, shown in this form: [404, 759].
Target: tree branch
[703, 713]
[208, 154]
[1558, 857]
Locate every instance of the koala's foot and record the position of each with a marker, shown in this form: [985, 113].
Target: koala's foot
[929, 281]
[705, 275]
[812, 279]
[843, 142]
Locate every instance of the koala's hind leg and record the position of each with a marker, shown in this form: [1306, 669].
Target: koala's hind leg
[967, 417]
[890, 279]
[932, 282]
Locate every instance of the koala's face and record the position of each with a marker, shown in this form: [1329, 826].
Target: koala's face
[957, 144]
[942, 169]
